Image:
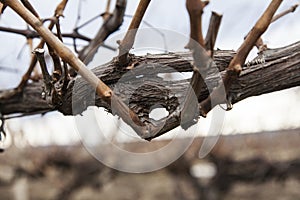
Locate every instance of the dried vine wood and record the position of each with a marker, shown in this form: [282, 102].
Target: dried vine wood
[106, 94]
[127, 43]
[58, 13]
[201, 63]
[235, 66]
[136, 114]
[111, 23]
[212, 32]
[282, 63]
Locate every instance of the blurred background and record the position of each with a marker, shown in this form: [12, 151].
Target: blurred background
[46, 159]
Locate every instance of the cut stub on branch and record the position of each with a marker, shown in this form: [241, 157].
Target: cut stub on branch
[212, 32]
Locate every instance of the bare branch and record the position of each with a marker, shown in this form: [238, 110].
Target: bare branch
[200, 66]
[259, 28]
[290, 10]
[31, 34]
[235, 66]
[110, 25]
[7, 69]
[212, 32]
[127, 43]
[28, 5]
[105, 93]
[46, 76]
[25, 32]
[259, 43]
[26, 76]
[137, 116]
[195, 10]
[106, 14]
[278, 62]
[60, 8]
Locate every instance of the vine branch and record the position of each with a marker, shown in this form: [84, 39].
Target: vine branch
[127, 43]
[235, 66]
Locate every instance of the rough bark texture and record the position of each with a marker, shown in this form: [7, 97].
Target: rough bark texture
[275, 70]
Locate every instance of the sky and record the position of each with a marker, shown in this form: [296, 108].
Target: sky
[279, 110]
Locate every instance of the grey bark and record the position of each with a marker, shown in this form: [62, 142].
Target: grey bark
[276, 69]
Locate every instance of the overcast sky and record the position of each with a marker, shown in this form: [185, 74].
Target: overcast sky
[279, 110]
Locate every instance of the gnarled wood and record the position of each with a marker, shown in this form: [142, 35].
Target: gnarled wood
[284, 63]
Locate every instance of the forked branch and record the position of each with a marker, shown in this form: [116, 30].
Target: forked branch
[259, 28]
[58, 12]
[144, 126]
[259, 43]
[105, 93]
[111, 24]
[235, 66]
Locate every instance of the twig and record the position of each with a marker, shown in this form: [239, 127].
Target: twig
[110, 25]
[78, 13]
[31, 34]
[259, 28]
[7, 69]
[76, 35]
[87, 22]
[127, 43]
[195, 10]
[235, 66]
[28, 5]
[58, 70]
[105, 93]
[46, 76]
[212, 32]
[25, 32]
[290, 10]
[259, 43]
[155, 29]
[189, 112]
[106, 14]
[65, 76]
[56, 62]
[59, 9]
